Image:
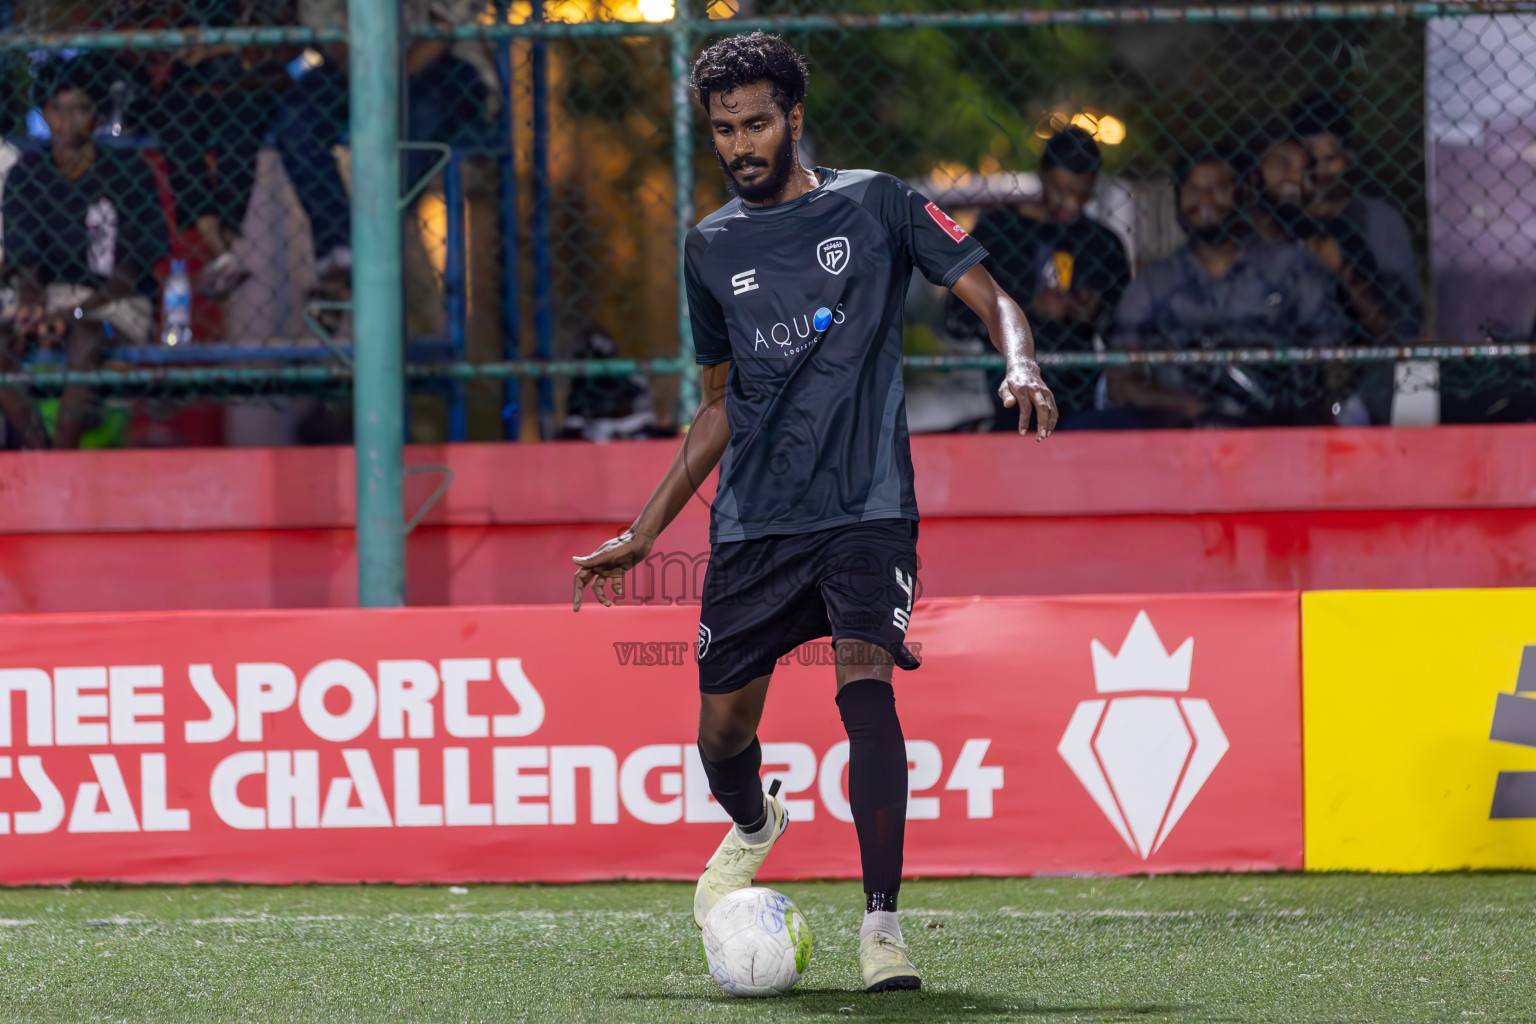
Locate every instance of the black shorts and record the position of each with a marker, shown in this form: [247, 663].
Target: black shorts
[765, 597]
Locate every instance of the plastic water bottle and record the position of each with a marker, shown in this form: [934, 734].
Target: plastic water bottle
[176, 326]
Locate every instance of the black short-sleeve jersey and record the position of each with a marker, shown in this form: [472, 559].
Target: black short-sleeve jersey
[805, 299]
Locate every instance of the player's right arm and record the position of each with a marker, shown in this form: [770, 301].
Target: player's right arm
[700, 452]
[702, 447]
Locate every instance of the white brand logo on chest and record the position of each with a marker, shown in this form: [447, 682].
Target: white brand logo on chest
[833, 254]
[746, 281]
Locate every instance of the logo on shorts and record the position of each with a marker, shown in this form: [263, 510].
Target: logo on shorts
[833, 254]
[704, 638]
[1143, 756]
[903, 617]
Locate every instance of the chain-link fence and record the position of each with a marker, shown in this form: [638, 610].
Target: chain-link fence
[1353, 243]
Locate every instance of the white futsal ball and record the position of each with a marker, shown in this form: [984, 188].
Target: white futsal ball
[756, 943]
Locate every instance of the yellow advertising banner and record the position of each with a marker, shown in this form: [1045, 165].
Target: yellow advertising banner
[1419, 729]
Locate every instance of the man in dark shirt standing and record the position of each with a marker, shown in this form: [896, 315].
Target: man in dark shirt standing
[83, 229]
[1065, 268]
[795, 294]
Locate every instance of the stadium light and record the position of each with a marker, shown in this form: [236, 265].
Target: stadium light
[656, 10]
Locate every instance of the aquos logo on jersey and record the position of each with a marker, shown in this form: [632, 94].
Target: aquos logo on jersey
[1141, 755]
[805, 328]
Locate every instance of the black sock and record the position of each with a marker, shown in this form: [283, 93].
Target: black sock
[877, 782]
[736, 784]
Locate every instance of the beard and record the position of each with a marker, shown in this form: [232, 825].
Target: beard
[1211, 234]
[1290, 214]
[770, 185]
[1333, 192]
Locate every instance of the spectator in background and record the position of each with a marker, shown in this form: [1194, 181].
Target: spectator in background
[1281, 194]
[452, 94]
[83, 230]
[1282, 188]
[211, 122]
[1224, 290]
[1065, 269]
[1323, 125]
[607, 408]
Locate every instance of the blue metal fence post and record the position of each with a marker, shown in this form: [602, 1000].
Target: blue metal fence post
[543, 266]
[511, 326]
[453, 290]
[379, 391]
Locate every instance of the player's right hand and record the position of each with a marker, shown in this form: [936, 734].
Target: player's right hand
[609, 562]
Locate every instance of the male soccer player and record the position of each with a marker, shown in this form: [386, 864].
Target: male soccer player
[795, 293]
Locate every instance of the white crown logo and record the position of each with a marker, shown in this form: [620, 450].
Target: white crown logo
[1143, 663]
[1144, 758]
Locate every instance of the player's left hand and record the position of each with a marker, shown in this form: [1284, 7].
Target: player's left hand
[610, 562]
[1025, 390]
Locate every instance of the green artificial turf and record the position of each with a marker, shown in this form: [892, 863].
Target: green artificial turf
[1221, 948]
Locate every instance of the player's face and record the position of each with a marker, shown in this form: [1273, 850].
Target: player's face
[1208, 200]
[1064, 194]
[754, 140]
[71, 118]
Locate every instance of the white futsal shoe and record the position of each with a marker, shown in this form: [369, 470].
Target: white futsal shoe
[885, 965]
[736, 861]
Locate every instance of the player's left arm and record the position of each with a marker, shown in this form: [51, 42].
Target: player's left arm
[1022, 388]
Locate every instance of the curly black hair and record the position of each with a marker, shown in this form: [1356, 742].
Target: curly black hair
[86, 73]
[1320, 113]
[736, 61]
[1073, 150]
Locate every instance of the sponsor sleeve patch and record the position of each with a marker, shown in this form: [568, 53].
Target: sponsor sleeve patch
[943, 220]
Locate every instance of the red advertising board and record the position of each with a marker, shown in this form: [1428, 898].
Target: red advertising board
[1120, 734]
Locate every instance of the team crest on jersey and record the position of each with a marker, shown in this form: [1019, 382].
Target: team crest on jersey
[704, 638]
[833, 254]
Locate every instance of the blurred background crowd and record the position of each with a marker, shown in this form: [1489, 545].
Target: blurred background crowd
[1254, 185]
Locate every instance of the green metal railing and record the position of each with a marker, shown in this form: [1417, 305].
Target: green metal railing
[237, 378]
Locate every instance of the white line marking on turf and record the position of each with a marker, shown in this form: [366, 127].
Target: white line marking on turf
[14, 922]
[1147, 914]
[407, 916]
[260, 918]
